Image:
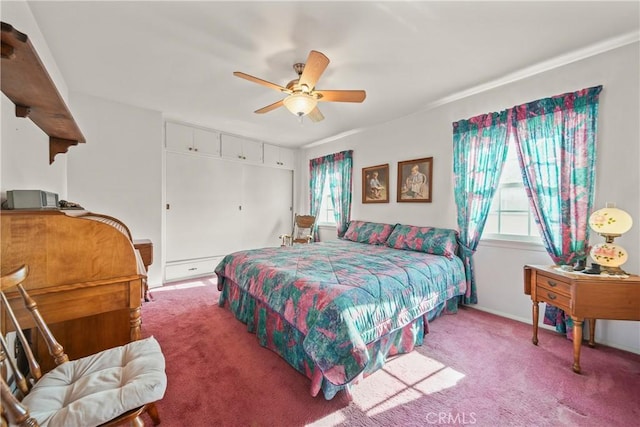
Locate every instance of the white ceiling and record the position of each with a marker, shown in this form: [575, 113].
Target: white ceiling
[178, 57]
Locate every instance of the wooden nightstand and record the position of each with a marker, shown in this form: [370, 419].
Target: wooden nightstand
[145, 247]
[582, 296]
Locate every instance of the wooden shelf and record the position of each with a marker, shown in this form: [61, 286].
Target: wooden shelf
[26, 82]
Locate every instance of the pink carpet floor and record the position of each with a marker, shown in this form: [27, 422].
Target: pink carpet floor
[475, 368]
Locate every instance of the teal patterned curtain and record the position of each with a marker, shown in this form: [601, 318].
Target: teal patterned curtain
[479, 152]
[338, 167]
[318, 169]
[340, 179]
[556, 141]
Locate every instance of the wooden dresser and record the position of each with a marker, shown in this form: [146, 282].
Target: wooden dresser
[582, 296]
[84, 276]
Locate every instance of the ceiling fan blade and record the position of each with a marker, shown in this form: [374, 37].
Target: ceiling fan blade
[261, 82]
[341, 95]
[313, 69]
[270, 107]
[315, 115]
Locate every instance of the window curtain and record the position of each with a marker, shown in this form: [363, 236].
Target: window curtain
[556, 142]
[318, 169]
[340, 177]
[479, 151]
[338, 167]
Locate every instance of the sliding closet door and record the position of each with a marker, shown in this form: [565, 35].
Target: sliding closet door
[267, 204]
[204, 199]
[216, 207]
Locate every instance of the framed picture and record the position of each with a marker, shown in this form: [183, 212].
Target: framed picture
[375, 184]
[414, 180]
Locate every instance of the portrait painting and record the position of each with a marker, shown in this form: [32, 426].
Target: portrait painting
[375, 184]
[414, 180]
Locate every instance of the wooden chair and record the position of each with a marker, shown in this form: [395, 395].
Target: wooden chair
[109, 388]
[302, 230]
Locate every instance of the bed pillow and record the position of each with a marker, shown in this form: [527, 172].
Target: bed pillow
[374, 233]
[432, 240]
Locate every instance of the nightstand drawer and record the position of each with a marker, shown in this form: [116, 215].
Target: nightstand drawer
[554, 298]
[554, 285]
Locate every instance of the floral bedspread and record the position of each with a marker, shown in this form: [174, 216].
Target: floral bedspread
[344, 295]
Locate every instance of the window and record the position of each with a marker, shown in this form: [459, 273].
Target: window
[510, 217]
[327, 213]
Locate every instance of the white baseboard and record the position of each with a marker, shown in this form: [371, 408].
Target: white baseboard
[541, 325]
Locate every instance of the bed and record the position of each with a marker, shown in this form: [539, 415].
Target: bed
[336, 310]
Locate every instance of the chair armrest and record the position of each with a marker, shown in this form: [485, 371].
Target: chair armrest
[286, 239]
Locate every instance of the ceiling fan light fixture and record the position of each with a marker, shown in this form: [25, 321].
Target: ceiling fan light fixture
[300, 104]
[302, 97]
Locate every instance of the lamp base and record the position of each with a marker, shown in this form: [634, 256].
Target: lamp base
[614, 271]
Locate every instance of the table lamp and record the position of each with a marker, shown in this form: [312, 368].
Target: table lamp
[610, 222]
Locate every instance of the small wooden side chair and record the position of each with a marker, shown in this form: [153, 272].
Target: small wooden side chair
[302, 230]
[109, 388]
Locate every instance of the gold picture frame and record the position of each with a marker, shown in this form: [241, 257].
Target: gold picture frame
[414, 180]
[375, 184]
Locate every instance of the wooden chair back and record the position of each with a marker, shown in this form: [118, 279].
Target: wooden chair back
[13, 411]
[303, 228]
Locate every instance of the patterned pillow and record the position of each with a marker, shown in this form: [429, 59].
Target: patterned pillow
[373, 233]
[437, 241]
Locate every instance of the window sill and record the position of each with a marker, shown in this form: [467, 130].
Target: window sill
[513, 244]
[326, 225]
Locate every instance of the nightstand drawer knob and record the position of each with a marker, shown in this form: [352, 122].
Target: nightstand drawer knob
[551, 296]
[552, 283]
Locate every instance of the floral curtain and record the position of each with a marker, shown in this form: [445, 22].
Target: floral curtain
[479, 152]
[340, 180]
[556, 142]
[338, 167]
[317, 173]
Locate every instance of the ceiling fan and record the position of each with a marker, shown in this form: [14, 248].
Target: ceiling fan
[302, 97]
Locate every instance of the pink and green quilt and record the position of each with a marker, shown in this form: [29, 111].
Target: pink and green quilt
[335, 310]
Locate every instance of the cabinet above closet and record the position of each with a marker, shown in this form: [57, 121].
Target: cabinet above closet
[278, 156]
[26, 82]
[187, 139]
[182, 138]
[237, 148]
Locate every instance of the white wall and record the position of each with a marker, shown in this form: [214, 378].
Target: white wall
[411, 137]
[24, 147]
[118, 172]
[25, 156]
[429, 133]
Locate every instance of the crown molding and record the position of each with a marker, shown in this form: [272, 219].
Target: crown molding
[541, 67]
[339, 136]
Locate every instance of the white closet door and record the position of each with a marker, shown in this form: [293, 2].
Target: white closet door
[267, 202]
[204, 197]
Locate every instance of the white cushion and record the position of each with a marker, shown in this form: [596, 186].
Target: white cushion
[95, 389]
